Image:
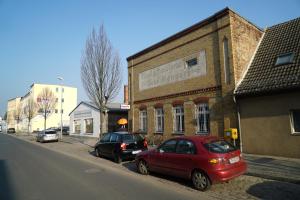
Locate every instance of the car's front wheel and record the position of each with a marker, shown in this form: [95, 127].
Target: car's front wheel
[97, 152]
[200, 181]
[143, 167]
[117, 158]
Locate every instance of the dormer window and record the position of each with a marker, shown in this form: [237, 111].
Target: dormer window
[284, 59]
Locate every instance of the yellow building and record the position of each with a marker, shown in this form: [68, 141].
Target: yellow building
[66, 95]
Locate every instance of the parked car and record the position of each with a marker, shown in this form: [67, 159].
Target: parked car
[204, 160]
[47, 136]
[11, 130]
[120, 145]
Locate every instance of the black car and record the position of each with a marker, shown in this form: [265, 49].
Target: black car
[120, 145]
[11, 130]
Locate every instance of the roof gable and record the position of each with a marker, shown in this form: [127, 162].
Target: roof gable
[263, 76]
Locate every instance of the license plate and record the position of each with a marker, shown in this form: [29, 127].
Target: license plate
[136, 152]
[234, 160]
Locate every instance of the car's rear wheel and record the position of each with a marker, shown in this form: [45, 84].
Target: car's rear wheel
[143, 167]
[200, 181]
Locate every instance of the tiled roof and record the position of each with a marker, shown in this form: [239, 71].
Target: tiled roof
[262, 75]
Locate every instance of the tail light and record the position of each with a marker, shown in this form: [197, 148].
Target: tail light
[145, 143]
[215, 161]
[123, 146]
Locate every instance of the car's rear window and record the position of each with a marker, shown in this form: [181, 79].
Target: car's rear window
[219, 146]
[50, 132]
[132, 137]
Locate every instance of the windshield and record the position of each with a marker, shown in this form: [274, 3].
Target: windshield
[219, 146]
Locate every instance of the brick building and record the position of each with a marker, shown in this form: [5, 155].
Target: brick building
[184, 84]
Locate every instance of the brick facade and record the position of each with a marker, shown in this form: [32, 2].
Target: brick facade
[208, 36]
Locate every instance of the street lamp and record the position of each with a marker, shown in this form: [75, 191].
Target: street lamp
[61, 97]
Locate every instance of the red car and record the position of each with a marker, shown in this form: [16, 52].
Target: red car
[203, 159]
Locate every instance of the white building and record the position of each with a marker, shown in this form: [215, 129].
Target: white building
[85, 118]
[66, 100]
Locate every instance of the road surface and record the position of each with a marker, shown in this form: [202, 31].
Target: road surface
[30, 172]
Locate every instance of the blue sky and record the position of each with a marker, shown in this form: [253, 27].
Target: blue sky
[41, 39]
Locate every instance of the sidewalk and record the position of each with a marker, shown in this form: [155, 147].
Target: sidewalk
[268, 167]
[275, 168]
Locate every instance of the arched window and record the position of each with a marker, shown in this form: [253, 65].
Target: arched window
[226, 61]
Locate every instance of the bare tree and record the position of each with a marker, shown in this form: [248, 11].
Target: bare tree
[18, 114]
[30, 110]
[46, 103]
[100, 72]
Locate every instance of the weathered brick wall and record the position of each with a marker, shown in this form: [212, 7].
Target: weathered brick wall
[245, 38]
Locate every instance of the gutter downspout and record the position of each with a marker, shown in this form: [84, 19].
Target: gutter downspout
[132, 98]
[239, 123]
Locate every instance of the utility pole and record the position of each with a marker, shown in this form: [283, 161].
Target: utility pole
[61, 97]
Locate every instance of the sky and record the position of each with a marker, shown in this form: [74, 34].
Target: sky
[43, 39]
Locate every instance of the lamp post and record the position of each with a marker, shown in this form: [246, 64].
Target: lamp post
[61, 97]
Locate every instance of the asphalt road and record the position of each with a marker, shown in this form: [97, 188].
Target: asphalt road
[30, 172]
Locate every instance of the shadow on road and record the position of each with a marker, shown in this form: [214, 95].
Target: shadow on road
[132, 167]
[275, 190]
[6, 190]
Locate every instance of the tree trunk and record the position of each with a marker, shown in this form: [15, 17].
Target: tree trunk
[28, 126]
[45, 118]
[101, 121]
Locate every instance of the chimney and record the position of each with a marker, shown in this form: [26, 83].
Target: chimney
[125, 94]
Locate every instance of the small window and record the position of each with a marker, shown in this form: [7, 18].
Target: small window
[56, 111]
[89, 125]
[159, 123]
[57, 89]
[178, 120]
[62, 100]
[285, 59]
[143, 120]
[56, 100]
[63, 89]
[168, 147]
[62, 110]
[191, 62]
[295, 121]
[185, 147]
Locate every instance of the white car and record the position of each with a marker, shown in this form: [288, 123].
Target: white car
[46, 136]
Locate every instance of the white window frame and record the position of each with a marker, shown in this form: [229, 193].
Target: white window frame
[143, 120]
[181, 119]
[159, 117]
[292, 122]
[202, 109]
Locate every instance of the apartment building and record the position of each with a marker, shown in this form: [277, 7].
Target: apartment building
[13, 105]
[66, 101]
[183, 85]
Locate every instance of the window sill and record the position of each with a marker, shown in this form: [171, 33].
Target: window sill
[178, 133]
[295, 134]
[158, 133]
[202, 133]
